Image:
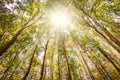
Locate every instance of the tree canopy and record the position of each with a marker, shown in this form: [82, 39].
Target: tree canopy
[59, 39]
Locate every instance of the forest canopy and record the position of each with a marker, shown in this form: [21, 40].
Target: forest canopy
[59, 39]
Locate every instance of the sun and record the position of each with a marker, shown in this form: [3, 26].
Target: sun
[60, 19]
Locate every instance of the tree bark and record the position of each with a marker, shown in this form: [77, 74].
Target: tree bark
[85, 66]
[111, 37]
[108, 77]
[67, 63]
[59, 73]
[11, 63]
[6, 46]
[51, 67]
[10, 78]
[43, 64]
[102, 74]
[91, 75]
[10, 42]
[108, 41]
[44, 75]
[30, 65]
[102, 69]
[105, 54]
[82, 64]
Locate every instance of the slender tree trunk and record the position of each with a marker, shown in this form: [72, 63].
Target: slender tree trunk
[75, 77]
[13, 39]
[44, 75]
[84, 61]
[91, 75]
[43, 64]
[115, 59]
[59, 73]
[10, 78]
[85, 66]
[108, 41]
[10, 42]
[111, 37]
[108, 77]
[67, 63]
[102, 69]
[30, 65]
[62, 67]
[102, 74]
[16, 73]
[51, 68]
[74, 71]
[105, 54]
[11, 63]
[79, 75]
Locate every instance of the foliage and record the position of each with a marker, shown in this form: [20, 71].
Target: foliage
[31, 48]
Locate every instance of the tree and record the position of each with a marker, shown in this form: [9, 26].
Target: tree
[43, 64]
[30, 65]
[59, 40]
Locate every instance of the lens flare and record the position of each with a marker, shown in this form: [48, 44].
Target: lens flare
[60, 19]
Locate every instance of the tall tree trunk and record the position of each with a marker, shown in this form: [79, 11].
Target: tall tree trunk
[30, 65]
[82, 64]
[88, 69]
[13, 39]
[102, 74]
[67, 63]
[108, 41]
[104, 70]
[43, 64]
[85, 66]
[79, 75]
[51, 67]
[111, 37]
[59, 71]
[74, 74]
[11, 63]
[74, 70]
[105, 54]
[10, 78]
[62, 68]
[44, 75]
[10, 42]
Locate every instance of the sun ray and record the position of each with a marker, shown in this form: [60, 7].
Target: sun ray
[60, 19]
